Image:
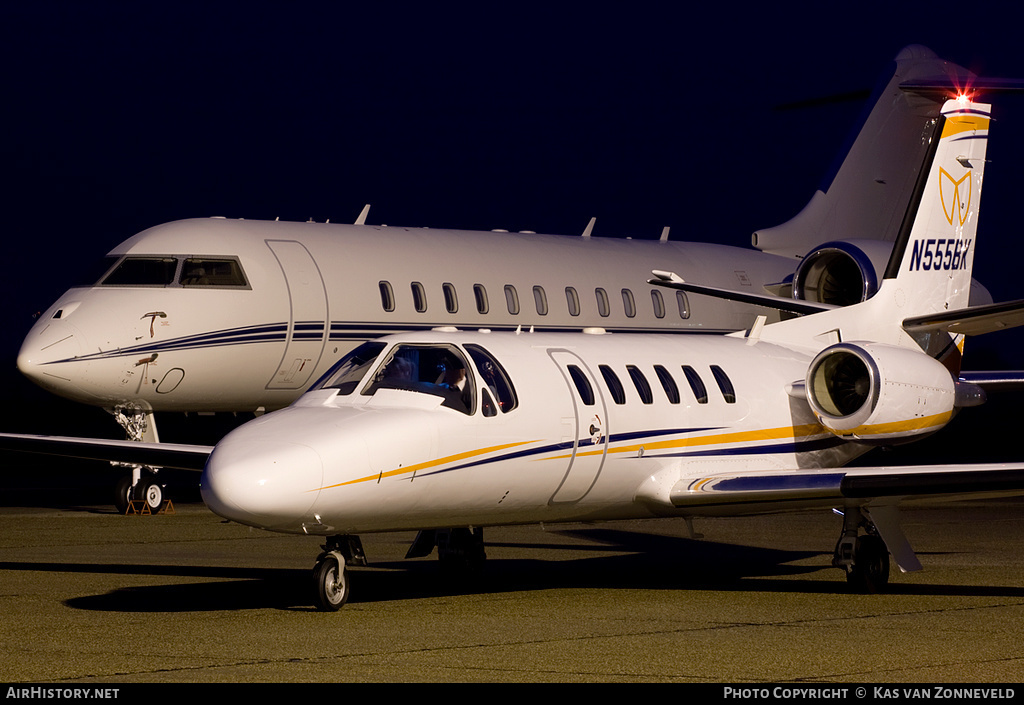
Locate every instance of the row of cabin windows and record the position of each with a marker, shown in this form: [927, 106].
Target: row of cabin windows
[540, 300]
[643, 387]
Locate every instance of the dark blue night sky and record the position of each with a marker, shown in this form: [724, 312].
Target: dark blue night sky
[523, 116]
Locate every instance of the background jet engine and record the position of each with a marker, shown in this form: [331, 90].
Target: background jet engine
[878, 393]
[841, 272]
[845, 272]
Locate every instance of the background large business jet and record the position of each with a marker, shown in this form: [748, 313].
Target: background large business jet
[459, 430]
[209, 315]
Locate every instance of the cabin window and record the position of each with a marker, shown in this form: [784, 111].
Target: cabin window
[387, 296]
[348, 372]
[614, 385]
[438, 370]
[658, 302]
[494, 378]
[724, 383]
[684, 304]
[212, 272]
[640, 382]
[602, 302]
[487, 406]
[419, 297]
[628, 304]
[586, 392]
[696, 384]
[143, 271]
[572, 299]
[451, 300]
[512, 299]
[668, 384]
[480, 293]
[541, 300]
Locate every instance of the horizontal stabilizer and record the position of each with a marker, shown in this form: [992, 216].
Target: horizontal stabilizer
[673, 281]
[944, 86]
[998, 380]
[163, 455]
[975, 320]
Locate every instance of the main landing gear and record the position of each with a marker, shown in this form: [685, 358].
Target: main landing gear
[141, 485]
[864, 557]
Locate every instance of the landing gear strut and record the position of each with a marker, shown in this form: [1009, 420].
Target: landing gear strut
[458, 548]
[331, 585]
[865, 558]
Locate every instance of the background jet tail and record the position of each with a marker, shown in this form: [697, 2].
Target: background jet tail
[866, 193]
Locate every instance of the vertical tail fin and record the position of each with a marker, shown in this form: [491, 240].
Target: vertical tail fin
[933, 256]
[931, 263]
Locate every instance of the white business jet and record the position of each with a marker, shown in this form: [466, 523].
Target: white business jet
[447, 431]
[218, 315]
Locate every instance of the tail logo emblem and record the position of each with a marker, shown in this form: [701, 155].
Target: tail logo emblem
[955, 195]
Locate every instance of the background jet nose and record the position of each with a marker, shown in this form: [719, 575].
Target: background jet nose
[262, 483]
[46, 346]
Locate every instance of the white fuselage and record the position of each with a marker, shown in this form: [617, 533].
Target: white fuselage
[381, 459]
[167, 336]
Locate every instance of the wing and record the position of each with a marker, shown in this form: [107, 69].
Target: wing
[875, 491]
[754, 491]
[164, 455]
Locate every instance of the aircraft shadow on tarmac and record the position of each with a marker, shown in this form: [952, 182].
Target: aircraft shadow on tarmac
[646, 562]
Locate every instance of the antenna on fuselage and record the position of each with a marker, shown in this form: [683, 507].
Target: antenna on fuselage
[590, 227]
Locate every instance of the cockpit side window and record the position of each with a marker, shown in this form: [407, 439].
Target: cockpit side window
[143, 271]
[98, 270]
[440, 370]
[494, 377]
[348, 372]
[215, 272]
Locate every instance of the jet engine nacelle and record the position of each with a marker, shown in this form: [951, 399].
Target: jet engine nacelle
[841, 273]
[877, 393]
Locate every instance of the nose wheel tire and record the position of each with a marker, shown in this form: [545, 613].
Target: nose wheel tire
[151, 493]
[331, 586]
[147, 490]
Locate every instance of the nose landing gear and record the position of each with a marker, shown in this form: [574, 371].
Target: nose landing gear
[331, 586]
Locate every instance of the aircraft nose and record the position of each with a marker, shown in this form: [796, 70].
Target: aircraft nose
[46, 345]
[269, 484]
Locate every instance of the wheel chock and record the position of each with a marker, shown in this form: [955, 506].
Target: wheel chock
[139, 506]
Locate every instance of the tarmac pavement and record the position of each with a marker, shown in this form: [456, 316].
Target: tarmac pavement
[89, 596]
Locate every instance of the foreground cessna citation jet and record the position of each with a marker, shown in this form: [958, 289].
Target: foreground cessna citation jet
[447, 431]
[218, 315]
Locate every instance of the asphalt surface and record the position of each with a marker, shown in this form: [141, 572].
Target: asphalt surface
[89, 596]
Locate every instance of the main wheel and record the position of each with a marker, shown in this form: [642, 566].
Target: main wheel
[330, 583]
[870, 570]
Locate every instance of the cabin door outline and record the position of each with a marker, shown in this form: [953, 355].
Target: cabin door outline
[306, 335]
[588, 435]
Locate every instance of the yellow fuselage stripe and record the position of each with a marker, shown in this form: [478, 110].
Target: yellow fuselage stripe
[429, 464]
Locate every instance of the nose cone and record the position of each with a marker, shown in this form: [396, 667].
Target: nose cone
[264, 483]
[46, 352]
[63, 349]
